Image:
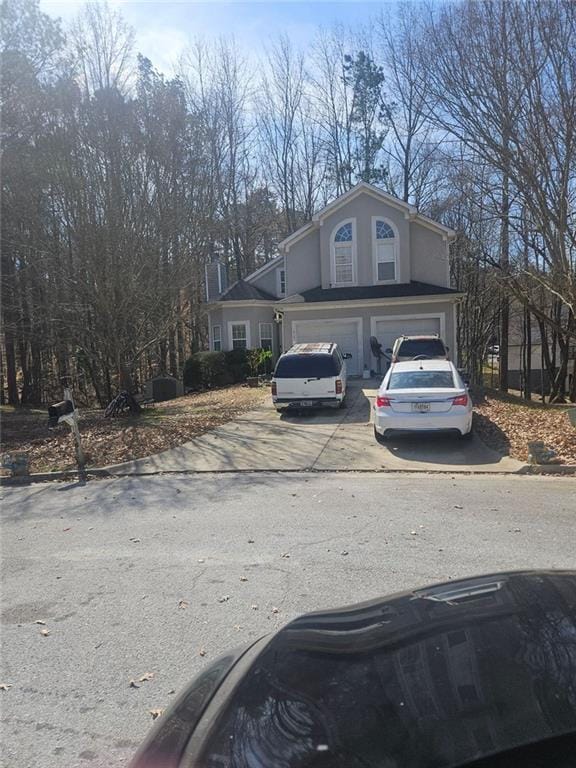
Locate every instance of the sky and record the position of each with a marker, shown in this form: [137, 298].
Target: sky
[164, 28]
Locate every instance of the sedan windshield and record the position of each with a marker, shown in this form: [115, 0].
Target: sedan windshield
[421, 380]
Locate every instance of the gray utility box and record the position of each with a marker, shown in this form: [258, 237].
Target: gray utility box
[163, 387]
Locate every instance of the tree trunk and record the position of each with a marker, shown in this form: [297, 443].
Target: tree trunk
[172, 353]
[528, 355]
[36, 387]
[505, 302]
[11, 369]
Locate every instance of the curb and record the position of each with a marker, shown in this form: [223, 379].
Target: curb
[565, 470]
[548, 469]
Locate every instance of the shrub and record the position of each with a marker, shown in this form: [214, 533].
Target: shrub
[192, 374]
[206, 370]
[259, 361]
[237, 362]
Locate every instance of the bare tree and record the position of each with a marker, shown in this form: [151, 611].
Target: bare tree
[103, 45]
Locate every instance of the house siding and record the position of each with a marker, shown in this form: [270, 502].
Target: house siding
[362, 209]
[253, 315]
[429, 256]
[268, 281]
[366, 313]
[303, 265]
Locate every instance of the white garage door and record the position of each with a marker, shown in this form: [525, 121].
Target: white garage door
[387, 331]
[343, 332]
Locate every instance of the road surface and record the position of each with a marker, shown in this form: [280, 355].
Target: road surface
[161, 574]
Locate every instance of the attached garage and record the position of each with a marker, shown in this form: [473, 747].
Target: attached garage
[346, 333]
[387, 329]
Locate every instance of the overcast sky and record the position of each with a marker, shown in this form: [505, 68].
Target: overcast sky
[164, 27]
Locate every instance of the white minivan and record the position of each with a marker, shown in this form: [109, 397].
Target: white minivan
[310, 376]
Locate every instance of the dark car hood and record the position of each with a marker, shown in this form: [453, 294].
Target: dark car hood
[431, 678]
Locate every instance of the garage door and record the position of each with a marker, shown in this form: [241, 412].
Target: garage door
[387, 331]
[343, 332]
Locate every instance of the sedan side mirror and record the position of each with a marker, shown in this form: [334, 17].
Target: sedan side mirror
[388, 351]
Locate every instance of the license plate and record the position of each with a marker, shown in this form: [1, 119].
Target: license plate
[306, 404]
[421, 407]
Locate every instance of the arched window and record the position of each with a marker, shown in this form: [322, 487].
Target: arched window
[343, 254]
[385, 252]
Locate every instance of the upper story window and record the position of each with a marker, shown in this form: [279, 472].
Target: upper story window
[385, 252]
[343, 255]
[281, 278]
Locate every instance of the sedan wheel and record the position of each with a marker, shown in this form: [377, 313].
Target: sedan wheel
[379, 438]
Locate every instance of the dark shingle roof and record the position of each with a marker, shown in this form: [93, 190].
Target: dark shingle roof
[394, 290]
[243, 291]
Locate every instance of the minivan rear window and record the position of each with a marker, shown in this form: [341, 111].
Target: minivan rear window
[421, 380]
[428, 347]
[305, 367]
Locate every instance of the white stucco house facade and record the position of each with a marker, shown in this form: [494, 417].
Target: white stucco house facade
[368, 264]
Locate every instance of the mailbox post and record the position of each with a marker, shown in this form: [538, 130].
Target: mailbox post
[65, 411]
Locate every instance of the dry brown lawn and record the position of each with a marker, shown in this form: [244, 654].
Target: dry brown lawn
[111, 441]
[508, 424]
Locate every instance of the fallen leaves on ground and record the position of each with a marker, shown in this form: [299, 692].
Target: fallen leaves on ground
[5, 686]
[156, 713]
[508, 426]
[145, 677]
[45, 632]
[112, 441]
[183, 604]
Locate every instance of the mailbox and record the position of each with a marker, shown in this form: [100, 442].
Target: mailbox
[59, 410]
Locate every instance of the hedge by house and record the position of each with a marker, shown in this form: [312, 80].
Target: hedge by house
[208, 370]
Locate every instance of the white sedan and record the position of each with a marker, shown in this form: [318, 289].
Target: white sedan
[422, 396]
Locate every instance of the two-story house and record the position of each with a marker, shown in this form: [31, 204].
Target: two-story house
[367, 264]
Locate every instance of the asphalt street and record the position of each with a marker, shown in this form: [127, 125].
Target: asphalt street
[153, 577]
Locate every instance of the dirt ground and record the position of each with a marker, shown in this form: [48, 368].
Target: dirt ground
[110, 441]
[508, 424]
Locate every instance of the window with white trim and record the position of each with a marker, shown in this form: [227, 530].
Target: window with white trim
[385, 246]
[281, 282]
[217, 338]
[239, 336]
[343, 255]
[266, 336]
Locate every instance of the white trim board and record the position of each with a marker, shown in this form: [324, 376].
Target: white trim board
[369, 303]
[272, 264]
[246, 324]
[396, 245]
[354, 249]
[242, 303]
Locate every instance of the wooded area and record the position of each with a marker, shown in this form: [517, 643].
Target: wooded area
[119, 185]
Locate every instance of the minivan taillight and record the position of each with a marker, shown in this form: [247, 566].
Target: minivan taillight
[338, 387]
[383, 402]
[460, 400]
[274, 389]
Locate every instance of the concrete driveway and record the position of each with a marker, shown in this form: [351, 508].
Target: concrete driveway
[325, 440]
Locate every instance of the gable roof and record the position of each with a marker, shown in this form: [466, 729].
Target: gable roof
[272, 264]
[358, 293]
[363, 187]
[242, 291]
